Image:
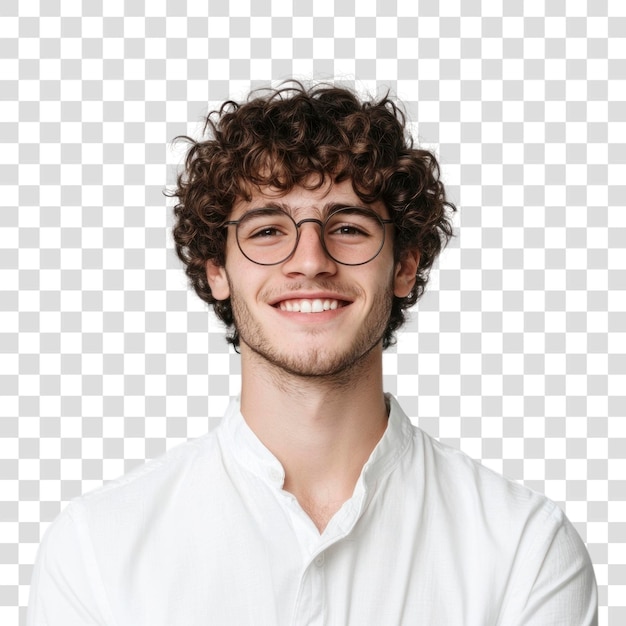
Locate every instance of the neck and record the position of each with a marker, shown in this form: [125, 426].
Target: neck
[321, 429]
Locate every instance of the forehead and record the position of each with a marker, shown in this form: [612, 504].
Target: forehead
[302, 201]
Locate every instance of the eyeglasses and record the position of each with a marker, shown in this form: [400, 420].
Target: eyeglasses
[349, 235]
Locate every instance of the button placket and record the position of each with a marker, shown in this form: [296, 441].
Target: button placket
[310, 609]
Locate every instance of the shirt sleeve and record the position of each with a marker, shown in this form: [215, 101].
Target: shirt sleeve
[556, 584]
[66, 589]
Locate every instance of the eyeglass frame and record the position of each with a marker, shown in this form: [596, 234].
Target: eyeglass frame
[320, 223]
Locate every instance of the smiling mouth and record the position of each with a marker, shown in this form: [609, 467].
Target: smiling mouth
[315, 305]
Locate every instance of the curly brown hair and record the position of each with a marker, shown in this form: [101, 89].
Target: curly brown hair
[297, 136]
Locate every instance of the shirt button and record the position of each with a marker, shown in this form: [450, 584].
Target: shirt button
[319, 560]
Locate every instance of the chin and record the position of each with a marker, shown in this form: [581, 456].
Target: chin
[315, 362]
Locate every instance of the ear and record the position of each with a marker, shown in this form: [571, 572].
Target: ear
[218, 280]
[404, 275]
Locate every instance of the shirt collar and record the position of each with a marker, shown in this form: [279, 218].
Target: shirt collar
[252, 454]
[392, 445]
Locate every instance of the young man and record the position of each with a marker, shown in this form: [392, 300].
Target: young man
[309, 222]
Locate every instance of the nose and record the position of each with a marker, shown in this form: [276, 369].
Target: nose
[309, 257]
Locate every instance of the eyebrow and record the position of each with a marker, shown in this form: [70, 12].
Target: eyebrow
[328, 209]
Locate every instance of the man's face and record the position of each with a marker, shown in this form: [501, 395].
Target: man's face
[277, 308]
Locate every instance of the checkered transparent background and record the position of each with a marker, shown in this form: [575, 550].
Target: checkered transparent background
[515, 354]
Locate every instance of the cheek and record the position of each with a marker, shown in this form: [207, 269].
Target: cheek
[379, 285]
[246, 280]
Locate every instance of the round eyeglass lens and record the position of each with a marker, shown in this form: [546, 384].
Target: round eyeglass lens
[353, 236]
[267, 236]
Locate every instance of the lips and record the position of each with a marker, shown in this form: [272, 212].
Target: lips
[310, 305]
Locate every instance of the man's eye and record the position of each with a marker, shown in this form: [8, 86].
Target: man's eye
[348, 230]
[266, 232]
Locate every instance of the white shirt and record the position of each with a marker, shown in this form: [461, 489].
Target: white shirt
[206, 535]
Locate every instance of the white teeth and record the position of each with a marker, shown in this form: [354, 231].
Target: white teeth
[309, 306]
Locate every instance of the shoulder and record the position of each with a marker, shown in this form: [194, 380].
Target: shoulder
[114, 518]
[103, 538]
[447, 479]
[513, 529]
[146, 487]
[458, 475]
[465, 498]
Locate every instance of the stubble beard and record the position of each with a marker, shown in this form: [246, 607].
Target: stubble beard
[330, 364]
